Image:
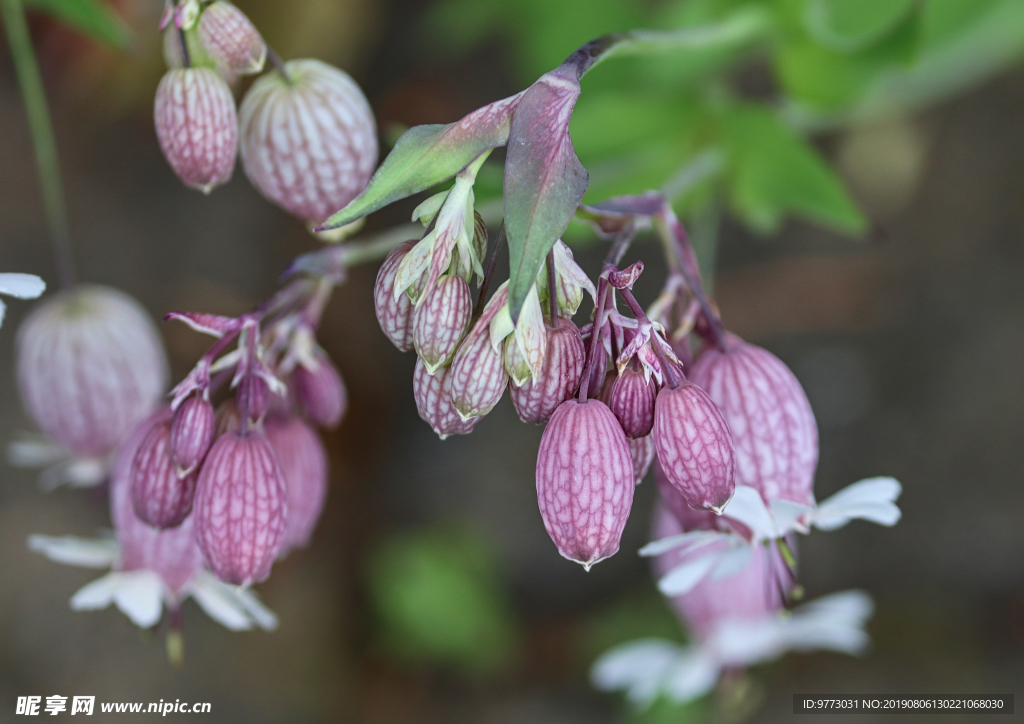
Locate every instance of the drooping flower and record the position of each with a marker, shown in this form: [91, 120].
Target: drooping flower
[90, 367]
[477, 376]
[537, 397]
[231, 39]
[320, 389]
[192, 433]
[441, 320]
[161, 497]
[308, 138]
[433, 395]
[304, 465]
[631, 400]
[394, 313]
[197, 126]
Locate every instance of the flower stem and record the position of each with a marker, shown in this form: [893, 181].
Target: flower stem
[603, 290]
[278, 64]
[552, 288]
[485, 283]
[34, 96]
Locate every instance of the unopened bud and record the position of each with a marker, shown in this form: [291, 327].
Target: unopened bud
[160, 497]
[433, 394]
[320, 391]
[694, 447]
[314, 166]
[440, 321]
[537, 398]
[304, 465]
[197, 126]
[192, 433]
[477, 375]
[253, 396]
[631, 399]
[231, 39]
[394, 315]
[584, 481]
[91, 366]
[241, 508]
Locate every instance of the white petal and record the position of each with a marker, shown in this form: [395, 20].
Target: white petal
[881, 513]
[871, 490]
[688, 541]
[693, 673]
[790, 516]
[744, 642]
[637, 666]
[215, 597]
[735, 560]
[34, 451]
[835, 622]
[85, 552]
[871, 499]
[140, 596]
[3, 312]
[22, 286]
[748, 508]
[98, 594]
[74, 472]
[685, 576]
[263, 616]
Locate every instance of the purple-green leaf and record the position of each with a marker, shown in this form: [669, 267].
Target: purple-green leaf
[427, 155]
[544, 180]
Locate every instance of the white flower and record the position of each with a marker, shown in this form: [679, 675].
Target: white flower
[872, 499]
[22, 286]
[648, 668]
[60, 465]
[141, 594]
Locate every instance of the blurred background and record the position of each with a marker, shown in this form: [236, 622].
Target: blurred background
[877, 249]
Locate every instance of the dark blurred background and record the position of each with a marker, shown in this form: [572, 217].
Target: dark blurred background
[431, 592]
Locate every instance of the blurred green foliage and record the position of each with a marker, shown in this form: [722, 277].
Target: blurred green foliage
[439, 600]
[823, 64]
[93, 18]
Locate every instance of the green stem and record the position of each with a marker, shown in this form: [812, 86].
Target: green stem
[34, 95]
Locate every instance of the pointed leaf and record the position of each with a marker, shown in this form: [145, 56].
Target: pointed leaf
[427, 155]
[544, 180]
[92, 17]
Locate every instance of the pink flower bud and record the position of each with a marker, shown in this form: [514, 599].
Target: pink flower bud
[694, 447]
[197, 126]
[477, 374]
[433, 393]
[584, 481]
[320, 391]
[160, 496]
[537, 399]
[241, 508]
[253, 396]
[631, 399]
[642, 450]
[394, 315]
[231, 39]
[308, 145]
[192, 433]
[172, 553]
[769, 416]
[304, 465]
[440, 321]
[674, 501]
[91, 366]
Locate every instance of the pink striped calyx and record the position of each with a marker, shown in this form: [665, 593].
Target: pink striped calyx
[642, 450]
[160, 496]
[771, 421]
[231, 39]
[694, 447]
[308, 141]
[433, 395]
[394, 313]
[197, 126]
[477, 374]
[440, 321]
[303, 462]
[90, 367]
[584, 481]
[538, 397]
[320, 390]
[631, 399]
[192, 433]
[241, 507]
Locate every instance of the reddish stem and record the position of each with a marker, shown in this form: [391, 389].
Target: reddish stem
[599, 318]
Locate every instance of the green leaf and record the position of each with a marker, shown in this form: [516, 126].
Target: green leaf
[849, 25]
[544, 181]
[92, 17]
[774, 172]
[942, 20]
[427, 155]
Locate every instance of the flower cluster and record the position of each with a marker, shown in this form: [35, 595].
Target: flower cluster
[306, 134]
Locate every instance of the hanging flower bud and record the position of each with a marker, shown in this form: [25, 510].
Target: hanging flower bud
[197, 126]
[584, 481]
[160, 496]
[526, 344]
[174, 55]
[694, 447]
[253, 397]
[570, 280]
[320, 391]
[231, 39]
[769, 416]
[440, 321]
[192, 433]
[477, 374]
[309, 141]
[304, 466]
[642, 450]
[241, 508]
[674, 501]
[433, 394]
[394, 313]
[90, 367]
[631, 399]
[537, 398]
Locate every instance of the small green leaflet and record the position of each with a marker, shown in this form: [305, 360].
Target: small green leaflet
[850, 25]
[91, 17]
